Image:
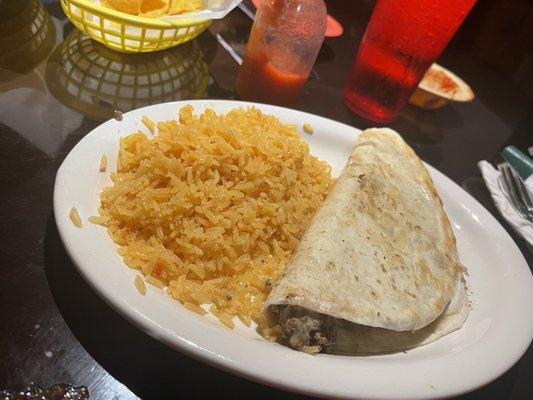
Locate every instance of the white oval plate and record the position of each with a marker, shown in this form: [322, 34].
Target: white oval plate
[497, 332]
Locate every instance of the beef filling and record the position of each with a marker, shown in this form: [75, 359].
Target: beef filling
[305, 330]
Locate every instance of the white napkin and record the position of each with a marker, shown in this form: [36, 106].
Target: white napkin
[491, 176]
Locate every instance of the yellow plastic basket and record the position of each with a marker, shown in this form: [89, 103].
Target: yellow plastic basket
[129, 33]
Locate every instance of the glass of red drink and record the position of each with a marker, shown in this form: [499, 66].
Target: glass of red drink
[402, 40]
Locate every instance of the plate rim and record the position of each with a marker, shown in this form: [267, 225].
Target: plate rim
[175, 342]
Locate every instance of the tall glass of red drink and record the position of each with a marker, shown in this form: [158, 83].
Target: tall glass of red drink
[402, 40]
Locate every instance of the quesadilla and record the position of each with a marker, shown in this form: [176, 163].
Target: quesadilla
[377, 270]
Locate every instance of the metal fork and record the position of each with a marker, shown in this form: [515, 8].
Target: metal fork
[516, 191]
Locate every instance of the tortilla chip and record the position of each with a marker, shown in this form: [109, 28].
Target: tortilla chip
[153, 8]
[126, 6]
[180, 6]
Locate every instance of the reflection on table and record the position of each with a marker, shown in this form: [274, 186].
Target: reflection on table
[27, 35]
[95, 81]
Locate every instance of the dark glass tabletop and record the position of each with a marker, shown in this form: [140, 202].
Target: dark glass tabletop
[56, 85]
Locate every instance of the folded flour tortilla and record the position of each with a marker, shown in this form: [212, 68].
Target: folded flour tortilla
[377, 270]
